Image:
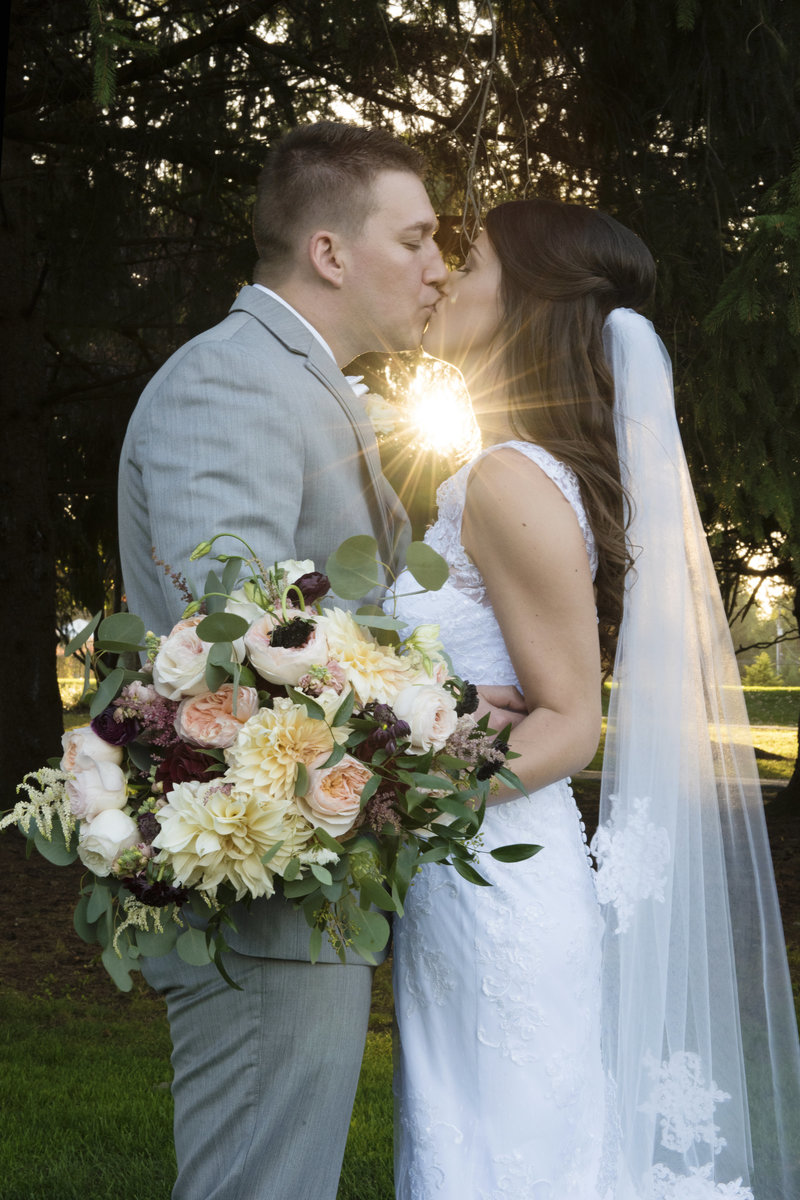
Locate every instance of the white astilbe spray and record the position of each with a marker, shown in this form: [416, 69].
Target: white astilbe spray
[47, 801]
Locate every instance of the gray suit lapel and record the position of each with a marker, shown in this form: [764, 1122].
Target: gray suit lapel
[392, 514]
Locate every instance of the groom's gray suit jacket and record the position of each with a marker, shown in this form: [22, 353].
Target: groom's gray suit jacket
[251, 429]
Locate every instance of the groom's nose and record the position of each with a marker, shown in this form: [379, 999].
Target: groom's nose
[435, 273]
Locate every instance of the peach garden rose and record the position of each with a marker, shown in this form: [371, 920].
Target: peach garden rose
[208, 719]
[333, 799]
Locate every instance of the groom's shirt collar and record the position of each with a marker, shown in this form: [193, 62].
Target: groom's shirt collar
[299, 316]
[354, 380]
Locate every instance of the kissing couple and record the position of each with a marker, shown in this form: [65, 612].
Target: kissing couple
[613, 1025]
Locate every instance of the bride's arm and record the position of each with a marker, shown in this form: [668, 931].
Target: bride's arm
[524, 537]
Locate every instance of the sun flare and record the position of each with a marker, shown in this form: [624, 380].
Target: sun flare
[440, 413]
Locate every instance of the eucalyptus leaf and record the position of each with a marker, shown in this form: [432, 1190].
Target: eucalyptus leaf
[368, 791]
[516, 852]
[372, 894]
[292, 870]
[374, 931]
[312, 708]
[140, 756]
[315, 944]
[230, 575]
[325, 839]
[214, 601]
[378, 622]
[353, 568]
[155, 945]
[56, 850]
[428, 568]
[468, 872]
[336, 755]
[435, 854]
[107, 692]
[84, 928]
[321, 873]
[222, 627]
[99, 902]
[122, 627]
[510, 778]
[193, 948]
[437, 782]
[221, 655]
[345, 709]
[215, 676]
[273, 850]
[119, 967]
[293, 889]
[355, 551]
[301, 780]
[81, 638]
[334, 891]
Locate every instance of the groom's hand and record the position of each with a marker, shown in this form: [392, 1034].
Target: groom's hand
[505, 706]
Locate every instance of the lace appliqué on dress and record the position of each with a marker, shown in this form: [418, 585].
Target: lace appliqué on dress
[632, 857]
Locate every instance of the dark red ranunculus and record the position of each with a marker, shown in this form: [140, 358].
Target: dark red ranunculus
[116, 733]
[149, 826]
[314, 585]
[182, 763]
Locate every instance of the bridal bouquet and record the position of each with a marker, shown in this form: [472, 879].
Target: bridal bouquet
[267, 743]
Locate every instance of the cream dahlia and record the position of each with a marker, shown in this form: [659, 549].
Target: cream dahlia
[213, 834]
[375, 672]
[264, 758]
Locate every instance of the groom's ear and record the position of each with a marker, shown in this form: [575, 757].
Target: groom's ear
[325, 256]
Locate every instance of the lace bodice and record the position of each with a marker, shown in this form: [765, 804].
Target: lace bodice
[467, 624]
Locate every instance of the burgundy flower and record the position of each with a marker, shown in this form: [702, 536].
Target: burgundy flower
[182, 763]
[388, 729]
[314, 585]
[149, 826]
[155, 892]
[468, 701]
[113, 731]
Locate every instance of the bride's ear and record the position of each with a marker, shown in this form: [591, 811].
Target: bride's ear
[325, 256]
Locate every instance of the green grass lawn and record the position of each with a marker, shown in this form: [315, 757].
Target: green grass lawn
[87, 1109]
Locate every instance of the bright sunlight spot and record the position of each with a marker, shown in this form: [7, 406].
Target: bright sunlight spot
[440, 414]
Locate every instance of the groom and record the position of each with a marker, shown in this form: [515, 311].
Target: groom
[252, 428]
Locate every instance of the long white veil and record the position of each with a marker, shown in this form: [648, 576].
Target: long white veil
[699, 1025]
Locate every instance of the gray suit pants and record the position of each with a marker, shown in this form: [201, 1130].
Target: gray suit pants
[250, 1067]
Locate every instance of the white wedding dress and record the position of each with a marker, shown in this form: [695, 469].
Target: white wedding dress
[499, 1085]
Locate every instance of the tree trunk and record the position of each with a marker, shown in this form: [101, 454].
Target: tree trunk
[30, 705]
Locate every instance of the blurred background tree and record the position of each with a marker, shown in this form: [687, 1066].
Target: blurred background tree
[134, 132]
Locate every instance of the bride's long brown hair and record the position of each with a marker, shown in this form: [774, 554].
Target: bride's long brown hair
[564, 267]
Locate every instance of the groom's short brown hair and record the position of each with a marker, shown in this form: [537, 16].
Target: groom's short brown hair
[320, 175]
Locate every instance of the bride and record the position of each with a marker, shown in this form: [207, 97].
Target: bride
[571, 1034]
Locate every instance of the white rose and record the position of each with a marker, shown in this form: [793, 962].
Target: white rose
[293, 568]
[102, 840]
[83, 748]
[239, 604]
[96, 788]
[430, 712]
[180, 666]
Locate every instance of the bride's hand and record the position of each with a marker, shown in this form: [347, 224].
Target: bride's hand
[505, 706]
